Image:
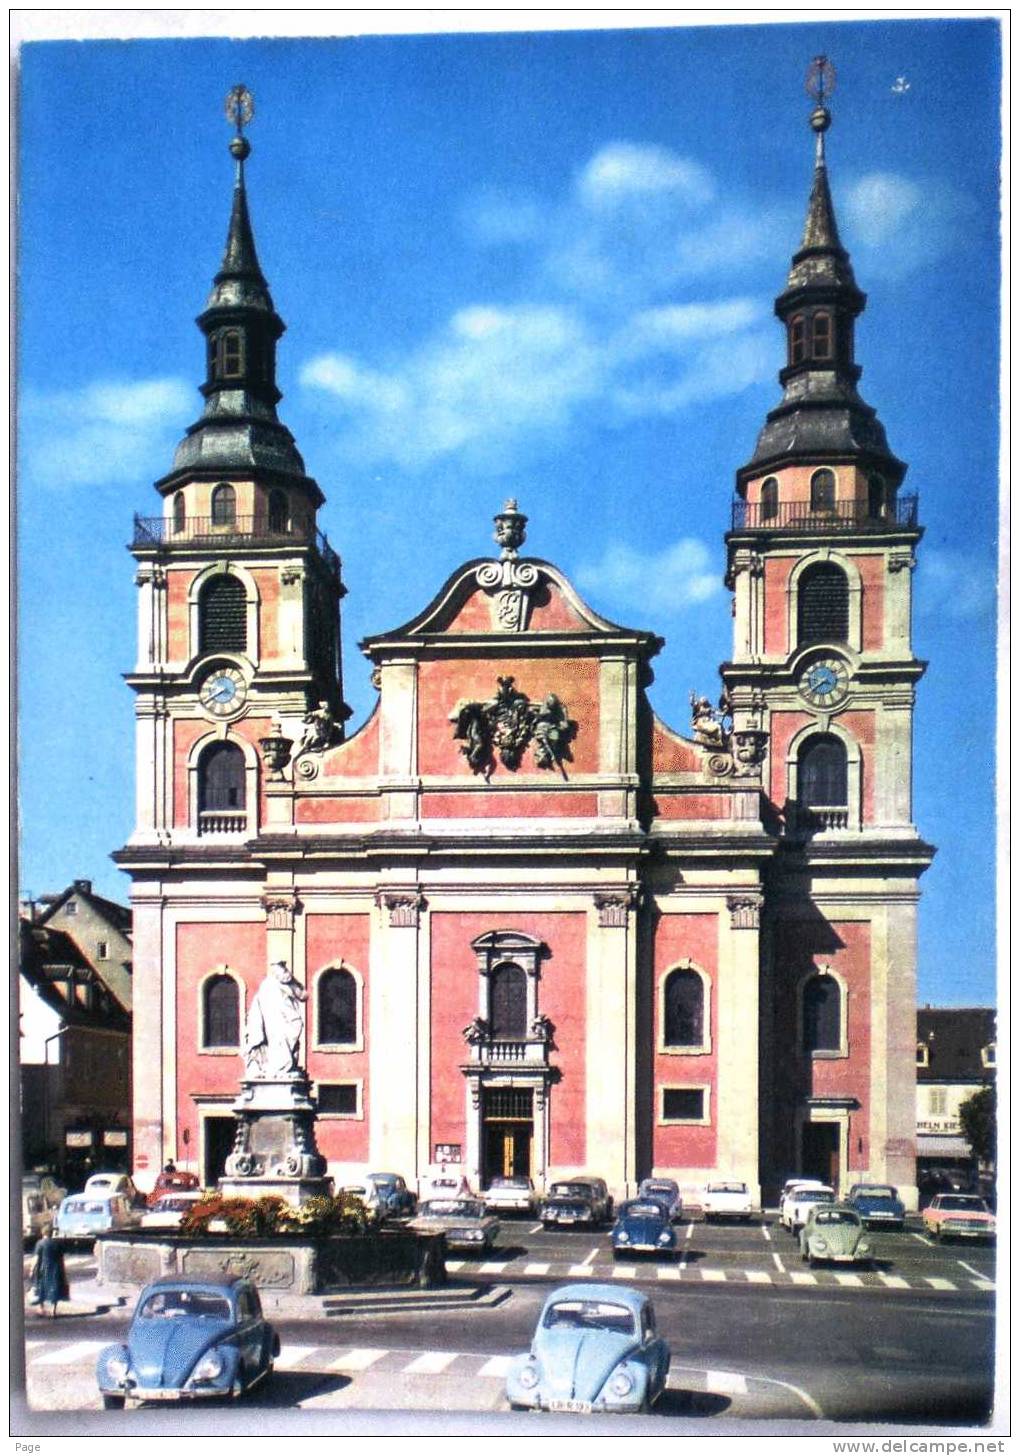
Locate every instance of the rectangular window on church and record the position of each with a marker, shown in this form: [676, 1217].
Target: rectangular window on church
[684, 1104]
[339, 1099]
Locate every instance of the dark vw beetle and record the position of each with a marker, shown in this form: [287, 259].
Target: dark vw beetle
[189, 1339]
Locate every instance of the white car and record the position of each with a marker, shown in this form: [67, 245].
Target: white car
[510, 1195]
[799, 1202]
[444, 1183]
[170, 1208]
[727, 1199]
[791, 1184]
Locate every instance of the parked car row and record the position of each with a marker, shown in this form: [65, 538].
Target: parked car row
[595, 1348]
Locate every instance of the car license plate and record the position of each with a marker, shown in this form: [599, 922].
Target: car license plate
[575, 1407]
[565, 1218]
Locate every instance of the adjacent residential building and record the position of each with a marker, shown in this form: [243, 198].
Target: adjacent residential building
[540, 929]
[956, 1057]
[75, 1033]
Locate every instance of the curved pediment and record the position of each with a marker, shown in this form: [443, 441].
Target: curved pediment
[508, 599]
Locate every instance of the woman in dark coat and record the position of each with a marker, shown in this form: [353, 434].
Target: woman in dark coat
[48, 1274]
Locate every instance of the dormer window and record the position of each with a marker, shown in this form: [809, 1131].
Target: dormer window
[922, 1054]
[798, 339]
[821, 336]
[988, 1055]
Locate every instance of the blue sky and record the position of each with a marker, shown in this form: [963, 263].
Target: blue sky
[533, 264]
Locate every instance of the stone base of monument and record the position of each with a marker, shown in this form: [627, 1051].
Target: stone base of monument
[274, 1142]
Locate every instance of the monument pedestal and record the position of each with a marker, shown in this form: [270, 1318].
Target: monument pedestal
[274, 1143]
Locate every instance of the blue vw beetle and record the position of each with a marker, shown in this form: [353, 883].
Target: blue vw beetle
[189, 1339]
[595, 1349]
[643, 1227]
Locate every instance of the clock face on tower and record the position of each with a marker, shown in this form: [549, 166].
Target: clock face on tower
[223, 691]
[824, 682]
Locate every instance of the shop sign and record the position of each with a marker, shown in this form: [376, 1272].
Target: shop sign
[78, 1139]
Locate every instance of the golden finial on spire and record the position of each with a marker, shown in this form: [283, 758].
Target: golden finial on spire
[820, 83]
[240, 108]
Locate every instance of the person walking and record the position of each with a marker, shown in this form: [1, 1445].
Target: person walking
[49, 1275]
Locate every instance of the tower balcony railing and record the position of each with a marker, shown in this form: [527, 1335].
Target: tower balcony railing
[821, 818]
[163, 532]
[841, 516]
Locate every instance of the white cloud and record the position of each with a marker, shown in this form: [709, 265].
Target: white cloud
[894, 226]
[108, 432]
[492, 377]
[622, 171]
[954, 584]
[664, 582]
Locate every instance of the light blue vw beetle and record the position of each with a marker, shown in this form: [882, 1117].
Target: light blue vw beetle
[189, 1339]
[595, 1349]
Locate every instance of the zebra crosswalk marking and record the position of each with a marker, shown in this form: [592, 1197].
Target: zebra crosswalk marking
[357, 1359]
[497, 1366]
[800, 1278]
[292, 1355]
[533, 1268]
[713, 1276]
[669, 1271]
[757, 1276]
[68, 1354]
[433, 1362]
[853, 1280]
[893, 1281]
[624, 1271]
[940, 1283]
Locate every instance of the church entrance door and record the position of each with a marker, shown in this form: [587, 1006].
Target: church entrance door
[219, 1140]
[820, 1152]
[508, 1133]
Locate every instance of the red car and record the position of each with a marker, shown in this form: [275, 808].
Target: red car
[958, 1216]
[171, 1182]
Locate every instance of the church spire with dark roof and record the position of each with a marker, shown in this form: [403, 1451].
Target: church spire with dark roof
[821, 417]
[239, 429]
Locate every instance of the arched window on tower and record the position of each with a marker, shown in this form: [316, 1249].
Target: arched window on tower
[798, 339]
[224, 505]
[231, 353]
[823, 604]
[821, 336]
[683, 1010]
[179, 513]
[221, 789]
[823, 491]
[337, 1008]
[223, 615]
[221, 1012]
[822, 781]
[278, 512]
[508, 1003]
[770, 499]
[821, 1014]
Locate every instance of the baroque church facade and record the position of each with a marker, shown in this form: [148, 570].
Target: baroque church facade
[539, 930]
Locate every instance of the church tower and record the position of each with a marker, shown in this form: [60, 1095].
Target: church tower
[819, 557]
[239, 591]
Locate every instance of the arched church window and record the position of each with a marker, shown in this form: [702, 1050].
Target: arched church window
[508, 1003]
[798, 339]
[823, 604]
[222, 615]
[337, 1007]
[821, 336]
[821, 773]
[770, 499]
[278, 511]
[232, 353]
[179, 512]
[684, 1009]
[822, 1014]
[221, 1012]
[221, 777]
[224, 505]
[823, 491]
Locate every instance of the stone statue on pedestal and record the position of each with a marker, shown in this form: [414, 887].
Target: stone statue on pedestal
[272, 1032]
